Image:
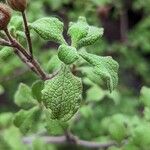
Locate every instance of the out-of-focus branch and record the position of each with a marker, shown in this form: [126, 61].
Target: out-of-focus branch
[63, 140]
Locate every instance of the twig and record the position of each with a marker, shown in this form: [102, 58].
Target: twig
[27, 33]
[5, 43]
[25, 57]
[63, 140]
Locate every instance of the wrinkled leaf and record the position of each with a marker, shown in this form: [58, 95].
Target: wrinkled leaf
[67, 54]
[93, 35]
[78, 30]
[62, 95]
[49, 28]
[37, 87]
[105, 67]
[54, 126]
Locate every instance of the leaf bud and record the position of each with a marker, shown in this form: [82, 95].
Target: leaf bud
[18, 5]
[5, 16]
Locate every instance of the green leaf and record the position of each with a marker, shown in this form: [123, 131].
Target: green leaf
[83, 34]
[37, 87]
[15, 23]
[54, 64]
[27, 120]
[145, 96]
[105, 67]
[62, 95]
[141, 135]
[78, 30]
[49, 28]
[5, 53]
[115, 96]
[95, 93]
[5, 119]
[67, 54]
[86, 111]
[12, 137]
[93, 35]
[54, 126]
[118, 127]
[23, 97]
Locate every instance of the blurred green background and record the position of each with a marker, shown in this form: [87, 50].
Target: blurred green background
[126, 38]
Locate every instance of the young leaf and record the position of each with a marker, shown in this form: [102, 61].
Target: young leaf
[49, 28]
[23, 97]
[62, 95]
[67, 54]
[105, 67]
[26, 120]
[93, 35]
[37, 87]
[78, 30]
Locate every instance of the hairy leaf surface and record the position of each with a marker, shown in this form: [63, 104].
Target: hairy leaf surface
[105, 67]
[93, 35]
[62, 95]
[49, 28]
[67, 54]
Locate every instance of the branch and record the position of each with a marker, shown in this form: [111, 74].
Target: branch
[27, 33]
[63, 140]
[25, 57]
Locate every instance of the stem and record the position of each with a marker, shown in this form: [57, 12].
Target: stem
[25, 57]
[27, 33]
[63, 140]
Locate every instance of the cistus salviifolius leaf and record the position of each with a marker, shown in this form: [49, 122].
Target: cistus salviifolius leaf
[62, 95]
[49, 28]
[105, 67]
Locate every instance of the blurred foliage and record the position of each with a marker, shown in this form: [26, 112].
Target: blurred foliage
[123, 115]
